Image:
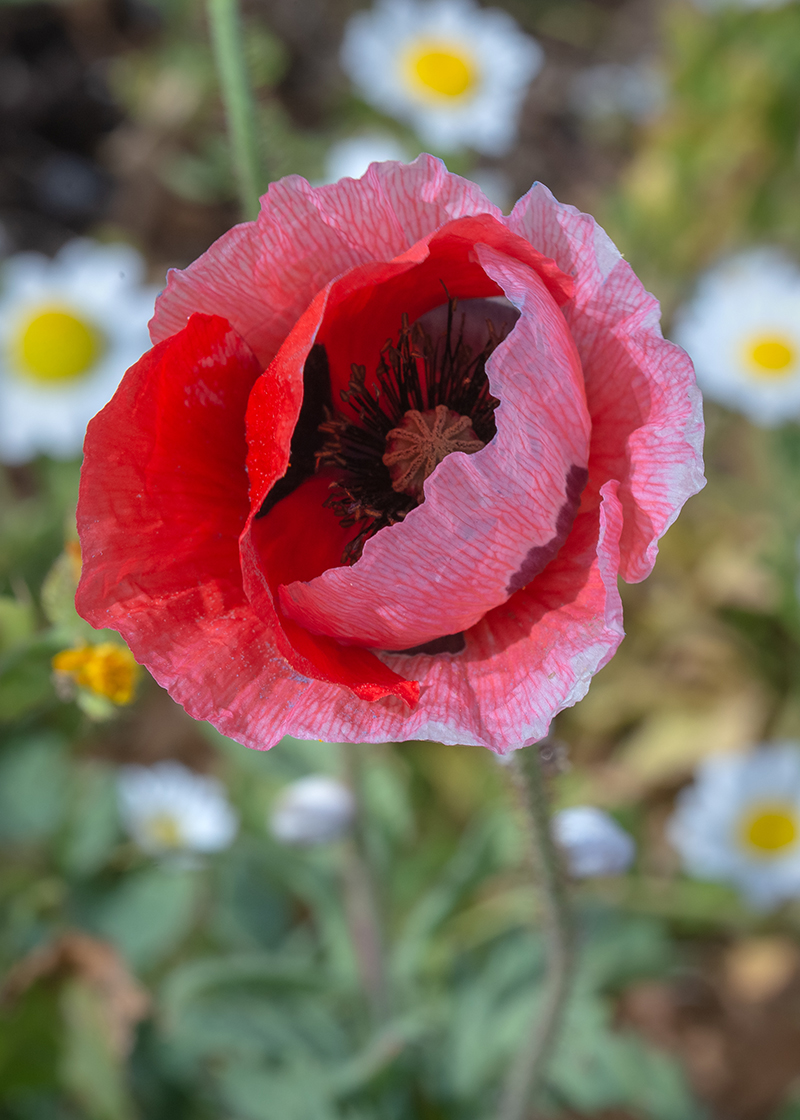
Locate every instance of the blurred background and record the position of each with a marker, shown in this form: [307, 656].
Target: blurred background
[193, 931]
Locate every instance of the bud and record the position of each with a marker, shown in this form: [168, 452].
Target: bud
[312, 810]
[593, 842]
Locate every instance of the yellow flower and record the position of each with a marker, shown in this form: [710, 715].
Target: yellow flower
[106, 669]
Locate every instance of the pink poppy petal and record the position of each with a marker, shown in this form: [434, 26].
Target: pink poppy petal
[262, 275]
[499, 515]
[526, 661]
[646, 410]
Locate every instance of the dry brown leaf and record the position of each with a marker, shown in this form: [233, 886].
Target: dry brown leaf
[125, 1002]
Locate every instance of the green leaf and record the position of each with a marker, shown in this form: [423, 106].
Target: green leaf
[149, 913]
[297, 1093]
[596, 1067]
[17, 622]
[436, 905]
[92, 1073]
[30, 1037]
[33, 781]
[93, 825]
[250, 911]
[26, 680]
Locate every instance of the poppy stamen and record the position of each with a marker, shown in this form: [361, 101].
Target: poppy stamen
[429, 396]
[421, 442]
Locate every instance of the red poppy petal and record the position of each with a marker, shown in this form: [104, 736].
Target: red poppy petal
[646, 410]
[299, 534]
[497, 516]
[163, 488]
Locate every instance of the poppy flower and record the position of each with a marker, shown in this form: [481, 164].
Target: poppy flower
[379, 474]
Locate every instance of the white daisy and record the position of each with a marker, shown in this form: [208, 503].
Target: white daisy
[593, 842]
[69, 328]
[167, 809]
[350, 158]
[456, 72]
[740, 823]
[312, 810]
[742, 330]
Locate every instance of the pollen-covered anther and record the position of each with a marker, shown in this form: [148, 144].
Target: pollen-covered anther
[415, 449]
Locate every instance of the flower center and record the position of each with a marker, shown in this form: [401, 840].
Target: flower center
[429, 397]
[441, 70]
[771, 356]
[54, 346]
[165, 830]
[421, 442]
[106, 670]
[769, 829]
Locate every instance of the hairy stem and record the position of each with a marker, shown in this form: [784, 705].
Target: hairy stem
[529, 1066]
[362, 903]
[237, 96]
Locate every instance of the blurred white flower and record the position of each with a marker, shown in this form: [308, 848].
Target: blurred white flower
[742, 330]
[69, 328]
[350, 158]
[740, 823]
[593, 842]
[456, 72]
[637, 92]
[169, 809]
[312, 810]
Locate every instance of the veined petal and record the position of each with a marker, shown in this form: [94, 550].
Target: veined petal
[646, 410]
[499, 516]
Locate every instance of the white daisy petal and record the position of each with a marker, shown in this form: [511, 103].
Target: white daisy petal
[742, 330]
[593, 842]
[456, 72]
[350, 158]
[168, 809]
[312, 810]
[69, 328]
[740, 823]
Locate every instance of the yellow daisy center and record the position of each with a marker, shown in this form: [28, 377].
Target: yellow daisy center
[441, 71]
[771, 356]
[165, 830]
[769, 829]
[53, 346]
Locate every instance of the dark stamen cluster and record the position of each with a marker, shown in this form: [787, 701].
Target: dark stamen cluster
[419, 372]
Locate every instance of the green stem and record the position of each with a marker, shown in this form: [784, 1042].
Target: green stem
[525, 1076]
[362, 901]
[237, 96]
